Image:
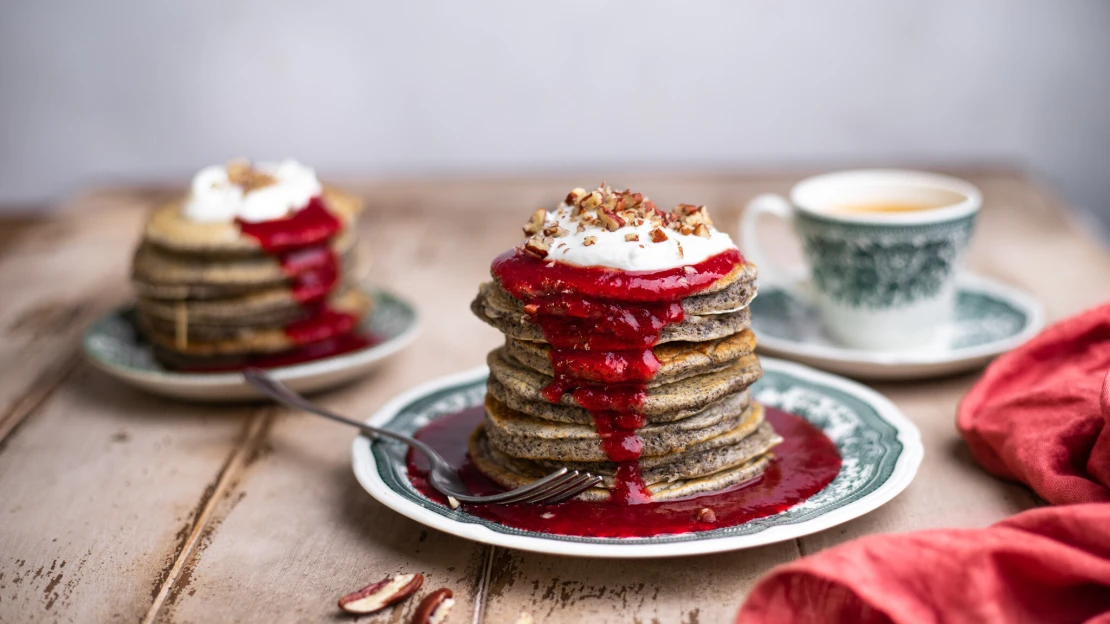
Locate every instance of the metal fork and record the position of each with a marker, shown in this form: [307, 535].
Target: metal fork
[558, 486]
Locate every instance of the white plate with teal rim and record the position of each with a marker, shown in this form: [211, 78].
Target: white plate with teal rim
[881, 451]
[990, 319]
[113, 345]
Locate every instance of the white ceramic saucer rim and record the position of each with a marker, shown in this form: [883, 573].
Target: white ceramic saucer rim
[905, 469]
[1033, 309]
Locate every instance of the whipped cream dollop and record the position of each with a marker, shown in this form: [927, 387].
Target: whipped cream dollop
[250, 192]
[623, 230]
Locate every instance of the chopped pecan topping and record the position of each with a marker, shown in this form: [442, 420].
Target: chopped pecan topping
[535, 224]
[538, 246]
[610, 220]
[687, 218]
[574, 196]
[555, 231]
[611, 210]
[241, 173]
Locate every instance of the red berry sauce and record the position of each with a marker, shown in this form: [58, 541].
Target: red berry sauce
[602, 325]
[804, 464]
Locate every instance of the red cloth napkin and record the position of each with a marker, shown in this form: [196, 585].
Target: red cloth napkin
[1039, 415]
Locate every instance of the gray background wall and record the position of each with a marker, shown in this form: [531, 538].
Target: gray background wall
[153, 90]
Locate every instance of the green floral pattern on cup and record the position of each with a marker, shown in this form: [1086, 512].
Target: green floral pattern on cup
[882, 266]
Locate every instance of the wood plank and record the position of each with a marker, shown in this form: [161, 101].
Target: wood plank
[59, 275]
[245, 452]
[98, 493]
[707, 588]
[13, 228]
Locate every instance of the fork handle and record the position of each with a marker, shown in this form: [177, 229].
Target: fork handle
[271, 387]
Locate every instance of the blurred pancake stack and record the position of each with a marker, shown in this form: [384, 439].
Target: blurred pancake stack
[257, 265]
[627, 353]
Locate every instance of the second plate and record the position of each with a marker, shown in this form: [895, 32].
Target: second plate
[991, 318]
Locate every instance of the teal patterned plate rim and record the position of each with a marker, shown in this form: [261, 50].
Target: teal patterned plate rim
[991, 318]
[880, 447]
[113, 345]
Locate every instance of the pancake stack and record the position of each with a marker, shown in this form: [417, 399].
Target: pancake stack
[214, 292]
[699, 430]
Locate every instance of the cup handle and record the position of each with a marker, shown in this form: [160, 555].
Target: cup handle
[772, 204]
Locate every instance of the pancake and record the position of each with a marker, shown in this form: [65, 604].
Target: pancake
[665, 402]
[169, 229]
[677, 360]
[269, 339]
[706, 473]
[734, 291]
[161, 274]
[517, 324]
[704, 459]
[519, 435]
[275, 305]
[727, 449]
[230, 328]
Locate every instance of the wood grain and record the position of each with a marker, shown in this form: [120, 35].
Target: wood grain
[99, 491]
[181, 513]
[57, 277]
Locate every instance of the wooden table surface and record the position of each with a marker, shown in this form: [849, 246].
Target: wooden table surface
[119, 506]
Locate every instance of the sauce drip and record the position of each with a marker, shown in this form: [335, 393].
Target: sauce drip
[311, 225]
[313, 271]
[301, 243]
[804, 464]
[602, 325]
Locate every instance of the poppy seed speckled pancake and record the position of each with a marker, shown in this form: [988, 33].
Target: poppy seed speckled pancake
[250, 339]
[216, 329]
[693, 328]
[160, 274]
[170, 229]
[663, 484]
[687, 396]
[520, 435]
[729, 448]
[732, 292]
[677, 360]
[269, 306]
[577, 415]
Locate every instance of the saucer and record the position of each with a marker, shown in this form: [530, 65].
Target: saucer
[113, 345]
[881, 451]
[991, 318]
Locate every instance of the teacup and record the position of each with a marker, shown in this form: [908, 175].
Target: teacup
[883, 249]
